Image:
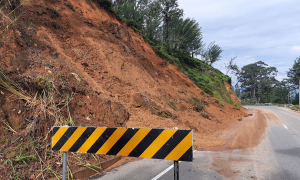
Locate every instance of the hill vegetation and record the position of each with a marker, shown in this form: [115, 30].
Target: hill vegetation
[176, 40]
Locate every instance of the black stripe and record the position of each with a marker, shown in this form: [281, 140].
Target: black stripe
[188, 155]
[122, 141]
[64, 138]
[101, 140]
[171, 144]
[144, 144]
[85, 135]
[54, 130]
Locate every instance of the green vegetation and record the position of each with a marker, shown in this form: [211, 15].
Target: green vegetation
[210, 80]
[173, 105]
[197, 103]
[54, 12]
[69, 5]
[294, 78]
[13, 87]
[257, 83]
[176, 40]
[296, 108]
[105, 3]
[43, 84]
[237, 106]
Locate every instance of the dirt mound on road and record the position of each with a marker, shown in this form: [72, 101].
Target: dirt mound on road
[81, 65]
[246, 134]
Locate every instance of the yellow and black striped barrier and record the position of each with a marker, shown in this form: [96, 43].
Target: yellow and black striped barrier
[168, 144]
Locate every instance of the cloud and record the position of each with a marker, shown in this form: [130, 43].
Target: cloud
[253, 30]
[296, 48]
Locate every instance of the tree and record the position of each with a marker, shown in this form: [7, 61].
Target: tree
[212, 53]
[170, 11]
[282, 92]
[134, 10]
[153, 20]
[294, 74]
[256, 79]
[232, 68]
[185, 34]
[237, 92]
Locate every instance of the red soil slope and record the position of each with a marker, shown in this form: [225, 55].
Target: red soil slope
[111, 74]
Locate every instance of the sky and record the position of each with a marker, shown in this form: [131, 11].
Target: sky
[252, 30]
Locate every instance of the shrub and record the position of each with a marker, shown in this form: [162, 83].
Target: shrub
[105, 3]
[70, 6]
[197, 103]
[296, 108]
[237, 106]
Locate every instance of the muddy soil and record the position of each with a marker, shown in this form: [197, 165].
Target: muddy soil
[81, 65]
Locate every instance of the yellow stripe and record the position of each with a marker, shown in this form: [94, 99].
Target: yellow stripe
[59, 133]
[91, 140]
[134, 141]
[158, 143]
[181, 148]
[74, 137]
[111, 140]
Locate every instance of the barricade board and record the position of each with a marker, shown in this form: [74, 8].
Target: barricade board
[168, 144]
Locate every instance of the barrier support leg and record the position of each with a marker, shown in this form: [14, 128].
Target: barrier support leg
[176, 170]
[65, 156]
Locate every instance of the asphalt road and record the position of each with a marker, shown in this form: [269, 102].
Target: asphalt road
[277, 157]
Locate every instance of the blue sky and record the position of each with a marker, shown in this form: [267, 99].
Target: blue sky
[266, 30]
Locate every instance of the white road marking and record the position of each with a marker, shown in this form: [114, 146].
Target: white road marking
[166, 170]
[285, 126]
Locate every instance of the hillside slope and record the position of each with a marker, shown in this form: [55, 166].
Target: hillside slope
[81, 65]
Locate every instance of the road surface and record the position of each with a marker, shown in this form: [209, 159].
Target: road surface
[276, 157]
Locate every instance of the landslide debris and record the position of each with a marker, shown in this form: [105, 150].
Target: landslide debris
[75, 63]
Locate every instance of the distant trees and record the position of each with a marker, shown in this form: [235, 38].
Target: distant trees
[257, 83]
[256, 80]
[294, 75]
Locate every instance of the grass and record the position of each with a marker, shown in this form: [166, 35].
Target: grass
[46, 111]
[237, 106]
[53, 11]
[296, 108]
[6, 16]
[69, 5]
[173, 105]
[9, 127]
[210, 80]
[167, 114]
[14, 88]
[25, 157]
[197, 103]
[43, 83]
[15, 160]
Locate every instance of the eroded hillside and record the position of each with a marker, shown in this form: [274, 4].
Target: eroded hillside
[76, 63]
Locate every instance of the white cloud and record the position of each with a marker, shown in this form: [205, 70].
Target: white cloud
[252, 30]
[296, 48]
